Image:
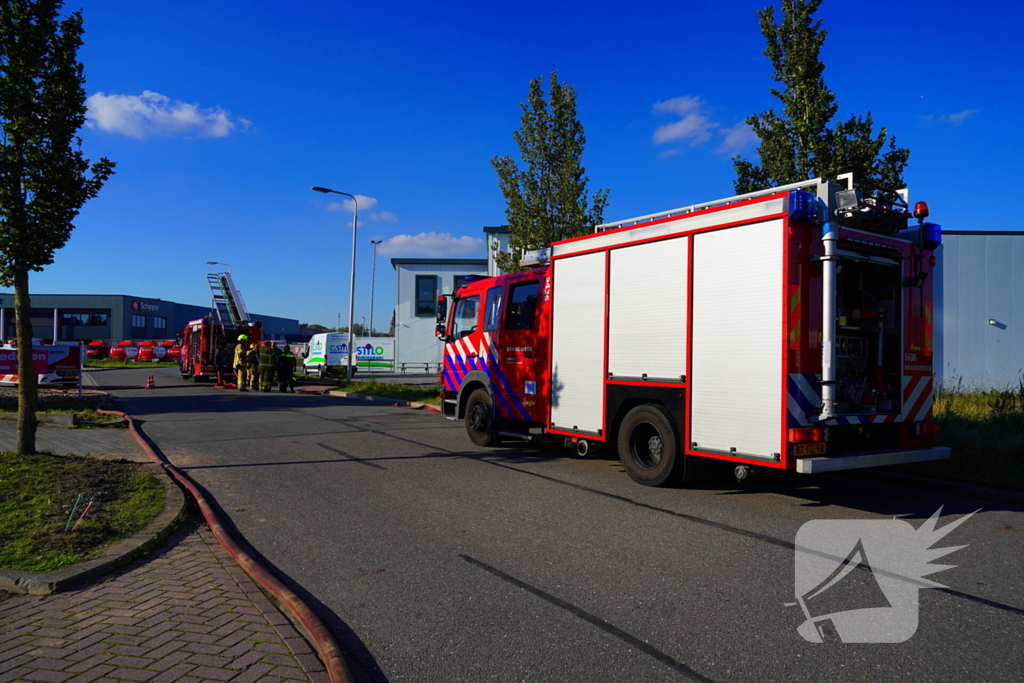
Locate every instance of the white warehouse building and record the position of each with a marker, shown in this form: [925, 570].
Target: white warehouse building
[979, 298]
[418, 283]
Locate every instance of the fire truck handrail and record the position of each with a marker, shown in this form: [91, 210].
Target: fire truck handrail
[705, 205]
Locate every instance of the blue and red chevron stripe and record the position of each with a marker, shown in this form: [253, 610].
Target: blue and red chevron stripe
[461, 358]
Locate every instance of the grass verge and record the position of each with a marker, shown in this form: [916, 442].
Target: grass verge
[37, 493]
[986, 432]
[405, 392]
[130, 364]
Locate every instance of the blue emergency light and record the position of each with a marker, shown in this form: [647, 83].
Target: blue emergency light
[803, 206]
[931, 236]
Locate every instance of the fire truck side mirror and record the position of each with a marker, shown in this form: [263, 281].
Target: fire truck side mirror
[442, 309]
[440, 333]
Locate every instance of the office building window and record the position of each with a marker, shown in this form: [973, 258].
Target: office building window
[85, 318]
[159, 322]
[426, 295]
[139, 321]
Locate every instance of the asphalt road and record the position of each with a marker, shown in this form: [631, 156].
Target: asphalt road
[436, 561]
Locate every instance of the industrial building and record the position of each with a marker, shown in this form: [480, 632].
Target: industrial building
[117, 317]
[979, 299]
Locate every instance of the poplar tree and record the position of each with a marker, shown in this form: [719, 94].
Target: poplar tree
[44, 177]
[547, 200]
[799, 143]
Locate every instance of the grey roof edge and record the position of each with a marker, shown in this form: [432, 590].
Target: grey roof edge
[983, 232]
[439, 261]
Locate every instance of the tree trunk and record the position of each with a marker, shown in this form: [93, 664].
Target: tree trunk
[27, 389]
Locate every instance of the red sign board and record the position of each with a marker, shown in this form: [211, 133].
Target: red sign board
[9, 361]
[55, 365]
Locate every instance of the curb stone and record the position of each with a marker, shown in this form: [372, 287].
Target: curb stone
[59, 419]
[402, 403]
[117, 555]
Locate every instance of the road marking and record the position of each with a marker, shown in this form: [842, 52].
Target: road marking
[788, 545]
[627, 638]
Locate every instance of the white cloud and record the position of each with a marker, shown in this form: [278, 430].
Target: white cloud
[152, 114]
[666, 153]
[365, 204]
[432, 244]
[737, 139]
[693, 125]
[956, 118]
[384, 217]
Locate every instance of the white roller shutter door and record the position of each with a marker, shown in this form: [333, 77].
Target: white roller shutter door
[737, 339]
[577, 343]
[647, 311]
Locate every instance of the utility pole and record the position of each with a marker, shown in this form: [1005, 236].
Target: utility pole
[373, 281]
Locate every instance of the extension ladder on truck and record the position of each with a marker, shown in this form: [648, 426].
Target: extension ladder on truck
[227, 301]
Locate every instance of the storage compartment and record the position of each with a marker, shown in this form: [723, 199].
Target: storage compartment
[868, 336]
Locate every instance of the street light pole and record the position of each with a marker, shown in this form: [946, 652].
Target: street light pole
[352, 285]
[221, 263]
[373, 282]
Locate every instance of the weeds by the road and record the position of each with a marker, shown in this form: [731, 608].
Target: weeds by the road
[423, 394]
[38, 492]
[985, 431]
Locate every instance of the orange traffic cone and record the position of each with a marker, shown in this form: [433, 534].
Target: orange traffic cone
[150, 383]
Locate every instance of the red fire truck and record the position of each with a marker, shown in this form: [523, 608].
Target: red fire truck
[788, 329]
[216, 334]
[203, 339]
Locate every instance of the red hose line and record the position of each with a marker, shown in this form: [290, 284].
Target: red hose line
[324, 642]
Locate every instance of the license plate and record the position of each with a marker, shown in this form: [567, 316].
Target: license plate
[801, 449]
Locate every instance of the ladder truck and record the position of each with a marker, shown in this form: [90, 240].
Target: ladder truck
[786, 329]
[202, 339]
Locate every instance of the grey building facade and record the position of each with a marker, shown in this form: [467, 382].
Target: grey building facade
[979, 296]
[117, 317]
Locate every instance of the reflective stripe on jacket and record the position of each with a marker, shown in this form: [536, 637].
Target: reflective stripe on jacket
[266, 357]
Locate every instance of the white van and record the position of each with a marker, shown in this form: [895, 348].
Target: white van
[329, 350]
[326, 351]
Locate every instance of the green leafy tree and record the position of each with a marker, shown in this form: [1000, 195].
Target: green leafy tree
[44, 177]
[799, 144]
[547, 200]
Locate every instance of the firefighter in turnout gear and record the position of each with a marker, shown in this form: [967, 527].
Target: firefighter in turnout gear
[252, 358]
[285, 369]
[266, 366]
[241, 363]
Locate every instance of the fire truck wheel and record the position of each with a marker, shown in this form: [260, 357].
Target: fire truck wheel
[481, 426]
[648, 446]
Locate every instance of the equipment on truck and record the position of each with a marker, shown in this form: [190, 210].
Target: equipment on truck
[789, 328]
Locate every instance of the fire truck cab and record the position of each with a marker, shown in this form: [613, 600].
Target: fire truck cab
[786, 329]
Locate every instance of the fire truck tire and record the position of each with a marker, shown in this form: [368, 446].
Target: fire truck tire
[648, 445]
[481, 426]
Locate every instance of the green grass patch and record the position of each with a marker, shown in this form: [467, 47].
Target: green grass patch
[986, 432]
[37, 493]
[405, 392]
[131, 364]
[94, 416]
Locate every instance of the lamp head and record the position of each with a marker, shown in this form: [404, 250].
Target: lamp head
[320, 189]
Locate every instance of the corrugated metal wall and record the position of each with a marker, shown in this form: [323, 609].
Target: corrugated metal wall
[980, 300]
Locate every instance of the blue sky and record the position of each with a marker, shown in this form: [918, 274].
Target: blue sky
[221, 115]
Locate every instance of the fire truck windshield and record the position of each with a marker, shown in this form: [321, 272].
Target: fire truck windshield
[464, 320]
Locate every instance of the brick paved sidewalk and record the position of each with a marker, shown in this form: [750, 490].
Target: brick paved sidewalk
[185, 613]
